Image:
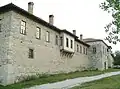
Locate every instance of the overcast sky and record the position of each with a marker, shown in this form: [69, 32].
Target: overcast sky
[84, 16]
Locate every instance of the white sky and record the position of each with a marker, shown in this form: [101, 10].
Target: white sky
[84, 16]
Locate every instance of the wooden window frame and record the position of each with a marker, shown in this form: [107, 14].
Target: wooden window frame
[71, 44]
[77, 48]
[38, 33]
[84, 50]
[56, 39]
[47, 36]
[0, 27]
[31, 53]
[61, 41]
[94, 49]
[23, 27]
[67, 42]
[80, 49]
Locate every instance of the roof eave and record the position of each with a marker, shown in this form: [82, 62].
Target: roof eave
[82, 42]
[65, 31]
[12, 7]
[98, 40]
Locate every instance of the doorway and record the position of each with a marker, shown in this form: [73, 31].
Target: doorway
[105, 66]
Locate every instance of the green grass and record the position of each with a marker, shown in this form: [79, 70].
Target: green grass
[106, 83]
[54, 78]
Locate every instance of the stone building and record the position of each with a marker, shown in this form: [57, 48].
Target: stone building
[30, 45]
[99, 54]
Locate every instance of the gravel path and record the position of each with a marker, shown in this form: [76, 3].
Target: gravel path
[66, 84]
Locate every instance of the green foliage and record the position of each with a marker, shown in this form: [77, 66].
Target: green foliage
[117, 58]
[113, 28]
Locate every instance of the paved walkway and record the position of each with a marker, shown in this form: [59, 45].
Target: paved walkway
[66, 84]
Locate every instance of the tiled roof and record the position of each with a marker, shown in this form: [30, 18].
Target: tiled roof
[91, 39]
[87, 40]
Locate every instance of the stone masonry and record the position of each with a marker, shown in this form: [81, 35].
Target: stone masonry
[48, 57]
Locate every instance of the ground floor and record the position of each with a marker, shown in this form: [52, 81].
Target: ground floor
[45, 79]
[46, 60]
[13, 73]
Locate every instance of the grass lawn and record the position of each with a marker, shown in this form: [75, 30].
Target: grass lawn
[106, 83]
[54, 78]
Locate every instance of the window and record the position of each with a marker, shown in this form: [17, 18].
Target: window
[0, 28]
[94, 49]
[106, 50]
[31, 54]
[47, 36]
[80, 49]
[84, 50]
[103, 49]
[61, 41]
[77, 48]
[38, 33]
[71, 44]
[56, 40]
[23, 27]
[67, 42]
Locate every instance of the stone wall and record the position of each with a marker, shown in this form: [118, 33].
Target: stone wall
[47, 55]
[100, 57]
[5, 21]
[14, 61]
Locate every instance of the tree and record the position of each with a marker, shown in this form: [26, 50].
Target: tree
[117, 58]
[112, 28]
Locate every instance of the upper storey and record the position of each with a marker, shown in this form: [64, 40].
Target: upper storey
[98, 44]
[67, 39]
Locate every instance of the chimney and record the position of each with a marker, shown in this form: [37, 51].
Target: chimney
[30, 7]
[74, 32]
[81, 37]
[51, 19]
